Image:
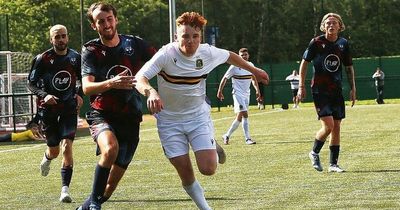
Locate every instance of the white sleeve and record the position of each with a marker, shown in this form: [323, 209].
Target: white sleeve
[220, 55]
[229, 72]
[154, 65]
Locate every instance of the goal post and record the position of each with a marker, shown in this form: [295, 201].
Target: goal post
[16, 102]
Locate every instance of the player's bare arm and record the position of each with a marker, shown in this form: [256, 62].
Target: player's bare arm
[261, 75]
[303, 72]
[254, 82]
[352, 83]
[220, 94]
[121, 81]
[154, 102]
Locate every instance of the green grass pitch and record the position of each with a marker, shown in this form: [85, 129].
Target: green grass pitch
[273, 174]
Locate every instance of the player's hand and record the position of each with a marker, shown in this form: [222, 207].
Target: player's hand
[154, 102]
[37, 133]
[353, 97]
[50, 100]
[258, 97]
[301, 93]
[262, 76]
[220, 96]
[123, 81]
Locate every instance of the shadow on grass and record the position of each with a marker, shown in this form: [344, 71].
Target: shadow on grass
[377, 171]
[165, 200]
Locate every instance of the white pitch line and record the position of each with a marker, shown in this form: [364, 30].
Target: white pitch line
[20, 149]
[144, 130]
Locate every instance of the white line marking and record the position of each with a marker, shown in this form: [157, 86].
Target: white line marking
[144, 130]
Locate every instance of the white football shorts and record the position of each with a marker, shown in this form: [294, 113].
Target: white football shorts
[240, 103]
[176, 137]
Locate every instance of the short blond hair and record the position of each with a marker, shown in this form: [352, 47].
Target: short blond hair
[56, 28]
[337, 16]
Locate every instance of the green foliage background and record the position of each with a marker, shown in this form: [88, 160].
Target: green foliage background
[273, 30]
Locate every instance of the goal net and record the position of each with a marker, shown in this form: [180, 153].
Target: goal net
[16, 102]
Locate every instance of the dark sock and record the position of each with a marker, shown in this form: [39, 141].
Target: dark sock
[47, 157]
[86, 204]
[99, 183]
[334, 154]
[5, 137]
[66, 175]
[318, 145]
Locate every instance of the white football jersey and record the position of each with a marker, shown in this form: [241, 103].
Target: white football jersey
[241, 80]
[181, 80]
[294, 81]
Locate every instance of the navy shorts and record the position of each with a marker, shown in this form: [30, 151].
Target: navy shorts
[329, 105]
[58, 125]
[125, 129]
[294, 92]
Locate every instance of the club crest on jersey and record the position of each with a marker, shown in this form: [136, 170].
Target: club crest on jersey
[199, 63]
[128, 50]
[62, 80]
[117, 69]
[332, 63]
[73, 61]
[51, 61]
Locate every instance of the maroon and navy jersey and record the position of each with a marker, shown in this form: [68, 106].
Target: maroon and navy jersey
[328, 58]
[104, 63]
[56, 75]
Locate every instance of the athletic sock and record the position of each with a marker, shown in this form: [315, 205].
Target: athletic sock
[196, 192]
[45, 157]
[334, 156]
[66, 175]
[86, 204]
[99, 184]
[245, 125]
[235, 124]
[318, 146]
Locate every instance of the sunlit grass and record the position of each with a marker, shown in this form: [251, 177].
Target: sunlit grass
[273, 174]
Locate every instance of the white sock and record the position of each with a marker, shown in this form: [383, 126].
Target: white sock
[196, 192]
[245, 125]
[234, 126]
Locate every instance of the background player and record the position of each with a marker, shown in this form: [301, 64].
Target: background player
[55, 78]
[109, 64]
[294, 86]
[241, 80]
[328, 53]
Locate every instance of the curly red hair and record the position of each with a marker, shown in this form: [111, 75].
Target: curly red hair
[193, 19]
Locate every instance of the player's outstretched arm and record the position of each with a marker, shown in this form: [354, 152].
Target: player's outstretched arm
[261, 75]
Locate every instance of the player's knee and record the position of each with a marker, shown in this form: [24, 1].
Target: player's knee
[53, 152]
[110, 152]
[208, 170]
[328, 128]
